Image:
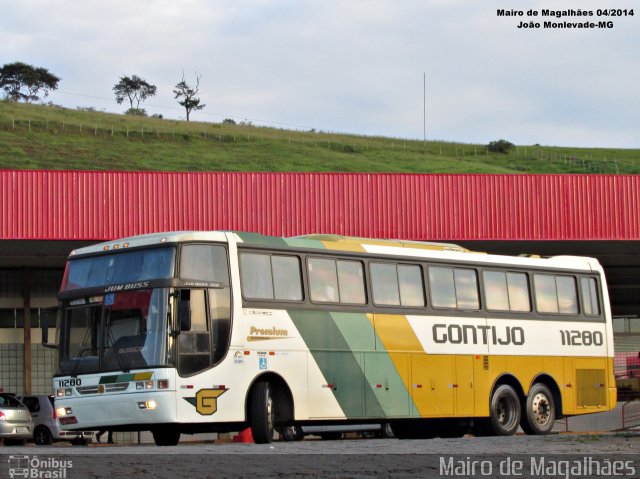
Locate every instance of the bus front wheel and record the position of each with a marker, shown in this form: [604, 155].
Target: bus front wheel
[262, 413]
[166, 436]
[505, 411]
[539, 411]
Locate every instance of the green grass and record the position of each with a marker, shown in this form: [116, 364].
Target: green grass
[46, 137]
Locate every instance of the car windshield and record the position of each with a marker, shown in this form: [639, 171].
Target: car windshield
[117, 331]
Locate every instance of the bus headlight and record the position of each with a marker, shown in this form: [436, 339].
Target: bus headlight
[140, 385]
[63, 411]
[64, 392]
[151, 404]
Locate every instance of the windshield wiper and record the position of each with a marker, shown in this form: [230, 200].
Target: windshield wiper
[116, 354]
[81, 350]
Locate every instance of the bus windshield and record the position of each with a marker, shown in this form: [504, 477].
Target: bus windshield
[123, 267]
[118, 331]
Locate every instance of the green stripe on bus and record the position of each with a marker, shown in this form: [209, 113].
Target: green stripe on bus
[339, 364]
[120, 378]
[359, 335]
[255, 239]
[258, 240]
[389, 396]
[343, 346]
[305, 243]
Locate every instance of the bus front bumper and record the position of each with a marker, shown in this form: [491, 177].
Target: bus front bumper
[117, 411]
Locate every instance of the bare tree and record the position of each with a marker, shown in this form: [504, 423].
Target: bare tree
[187, 95]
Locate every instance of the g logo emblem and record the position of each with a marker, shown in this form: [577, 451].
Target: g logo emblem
[207, 401]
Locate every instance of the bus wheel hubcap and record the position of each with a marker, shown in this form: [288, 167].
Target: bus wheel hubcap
[541, 409]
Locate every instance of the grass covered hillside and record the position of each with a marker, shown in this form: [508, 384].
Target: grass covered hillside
[46, 137]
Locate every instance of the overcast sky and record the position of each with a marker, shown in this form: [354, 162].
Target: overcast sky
[348, 66]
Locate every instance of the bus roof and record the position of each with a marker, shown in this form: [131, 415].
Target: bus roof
[335, 242]
[346, 241]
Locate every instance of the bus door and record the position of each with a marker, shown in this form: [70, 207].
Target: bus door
[201, 340]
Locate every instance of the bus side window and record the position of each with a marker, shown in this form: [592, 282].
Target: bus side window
[506, 291]
[546, 295]
[397, 285]
[556, 294]
[204, 262]
[194, 346]
[519, 297]
[411, 285]
[384, 281]
[591, 305]
[567, 294]
[467, 289]
[255, 271]
[454, 288]
[323, 280]
[220, 314]
[287, 279]
[336, 281]
[271, 277]
[198, 311]
[496, 290]
[351, 282]
[442, 286]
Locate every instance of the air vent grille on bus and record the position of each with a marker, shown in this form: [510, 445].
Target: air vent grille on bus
[116, 387]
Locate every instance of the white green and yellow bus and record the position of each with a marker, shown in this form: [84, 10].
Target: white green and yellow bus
[189, 332]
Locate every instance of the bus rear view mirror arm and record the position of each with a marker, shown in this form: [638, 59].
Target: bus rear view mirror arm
[44, 325]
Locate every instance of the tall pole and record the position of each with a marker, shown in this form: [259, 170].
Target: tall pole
[424, 117]
[26, 304]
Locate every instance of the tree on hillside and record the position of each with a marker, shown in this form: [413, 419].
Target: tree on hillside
[500, 146]
[24, 82]
[134, 89]
[187, 96]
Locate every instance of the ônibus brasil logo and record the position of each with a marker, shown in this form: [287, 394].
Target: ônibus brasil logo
[35, 467]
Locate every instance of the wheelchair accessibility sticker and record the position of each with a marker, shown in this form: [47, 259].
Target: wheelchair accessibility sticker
[262, 361]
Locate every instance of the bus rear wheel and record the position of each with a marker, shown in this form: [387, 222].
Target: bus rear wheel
[539, 412]
[262, 413]
[505, 411]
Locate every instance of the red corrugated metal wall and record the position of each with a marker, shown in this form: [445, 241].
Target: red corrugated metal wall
[105, 205]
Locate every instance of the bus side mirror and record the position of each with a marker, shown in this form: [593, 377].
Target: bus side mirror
[49, 316]
[184, 314]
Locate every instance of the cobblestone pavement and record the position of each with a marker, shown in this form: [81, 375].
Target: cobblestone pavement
[518, 456]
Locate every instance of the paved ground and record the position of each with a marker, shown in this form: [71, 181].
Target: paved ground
[519, 456]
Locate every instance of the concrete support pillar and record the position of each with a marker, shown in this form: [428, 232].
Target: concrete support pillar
[26, 303]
